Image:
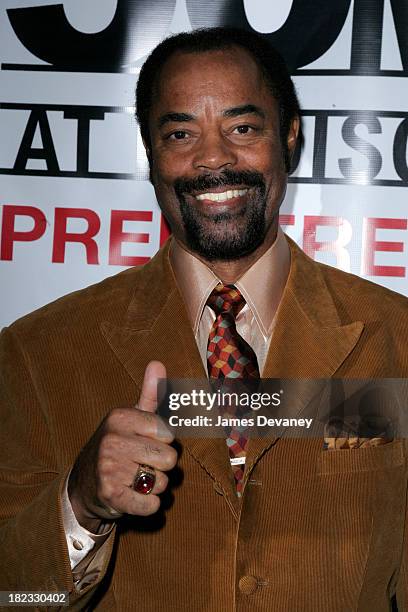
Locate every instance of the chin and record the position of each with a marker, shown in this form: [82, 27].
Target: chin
[225, 246]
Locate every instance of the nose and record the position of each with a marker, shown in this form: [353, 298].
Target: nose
[214, 152]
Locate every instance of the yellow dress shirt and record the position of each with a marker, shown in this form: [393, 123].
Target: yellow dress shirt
[261, 285]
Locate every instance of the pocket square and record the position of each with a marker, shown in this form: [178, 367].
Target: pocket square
[339, 435]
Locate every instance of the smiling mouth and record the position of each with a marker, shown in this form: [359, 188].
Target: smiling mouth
[223, 196]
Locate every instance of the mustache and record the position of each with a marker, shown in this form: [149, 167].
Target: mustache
[225, 178]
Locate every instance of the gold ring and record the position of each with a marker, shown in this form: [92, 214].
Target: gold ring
[144, 480]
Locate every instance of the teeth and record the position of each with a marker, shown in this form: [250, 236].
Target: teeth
[222, 197]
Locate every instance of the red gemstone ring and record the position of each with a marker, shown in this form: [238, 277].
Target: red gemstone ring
[144, 480]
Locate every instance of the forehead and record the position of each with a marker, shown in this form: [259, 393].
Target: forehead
[222, 78]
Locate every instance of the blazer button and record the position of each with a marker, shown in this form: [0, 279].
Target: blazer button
[248, 585]
[77, 544]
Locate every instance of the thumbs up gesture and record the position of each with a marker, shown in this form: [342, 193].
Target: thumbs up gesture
[102, 482]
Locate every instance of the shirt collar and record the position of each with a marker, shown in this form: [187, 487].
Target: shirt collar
[261, 285]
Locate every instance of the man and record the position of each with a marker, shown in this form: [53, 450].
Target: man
[313, 529]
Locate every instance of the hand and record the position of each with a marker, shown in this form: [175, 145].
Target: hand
[100, 484]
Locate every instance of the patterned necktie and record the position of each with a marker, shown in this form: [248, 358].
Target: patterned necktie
[229, 356]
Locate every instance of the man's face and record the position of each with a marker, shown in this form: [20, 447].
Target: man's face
[216, 155]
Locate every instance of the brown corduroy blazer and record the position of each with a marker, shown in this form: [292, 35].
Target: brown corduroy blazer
[317, 530]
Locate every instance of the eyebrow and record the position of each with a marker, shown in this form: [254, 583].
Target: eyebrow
[245, 109]
[174, 118]
[236, 111]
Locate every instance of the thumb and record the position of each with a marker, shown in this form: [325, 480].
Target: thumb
[155, 371]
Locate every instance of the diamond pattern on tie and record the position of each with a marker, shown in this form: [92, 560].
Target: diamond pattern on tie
[230, 357]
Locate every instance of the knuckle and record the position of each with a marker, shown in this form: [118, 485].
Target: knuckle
[119, 443]
[107, 440]
[143, 422]
[170, 458]
[147, 505]
[138, 446]
[163, 431]
[116, 491]
[105, 467]
[152, 449]
[117, 416]
[107, 444]
[105, 490]
[161, 482]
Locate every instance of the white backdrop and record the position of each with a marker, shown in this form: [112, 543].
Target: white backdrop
[75, 205]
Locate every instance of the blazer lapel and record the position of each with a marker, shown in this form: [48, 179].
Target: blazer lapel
[309, 339]
[309, 342]
[156, 326]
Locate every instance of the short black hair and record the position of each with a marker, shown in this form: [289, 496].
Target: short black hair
[267, 58]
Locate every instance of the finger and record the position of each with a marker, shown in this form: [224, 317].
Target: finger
[153, 452]
[126, 422]
[114, 479]
[141, 505]
[130, 502]
[117, 449]
[123, 499]
[161, 480]
[155, 370]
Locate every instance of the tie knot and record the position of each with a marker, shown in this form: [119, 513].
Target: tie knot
[226, 299]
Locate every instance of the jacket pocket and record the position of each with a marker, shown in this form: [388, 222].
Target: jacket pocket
[383, 457]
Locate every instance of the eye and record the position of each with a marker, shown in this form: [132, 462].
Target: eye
[178, 135]
[244, 129]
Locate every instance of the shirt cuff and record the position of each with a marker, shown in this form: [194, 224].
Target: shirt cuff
[80, 541]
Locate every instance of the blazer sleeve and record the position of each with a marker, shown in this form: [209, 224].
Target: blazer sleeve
[402, 579]
[34, 553]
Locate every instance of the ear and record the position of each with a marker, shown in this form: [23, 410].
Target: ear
[147, 149]
[293, 134]
[149, 159]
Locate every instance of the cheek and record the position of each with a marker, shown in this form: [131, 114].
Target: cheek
[163, 178]
[169, 166]
[266, 158]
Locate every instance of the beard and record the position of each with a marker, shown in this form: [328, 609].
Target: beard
[229, 235]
